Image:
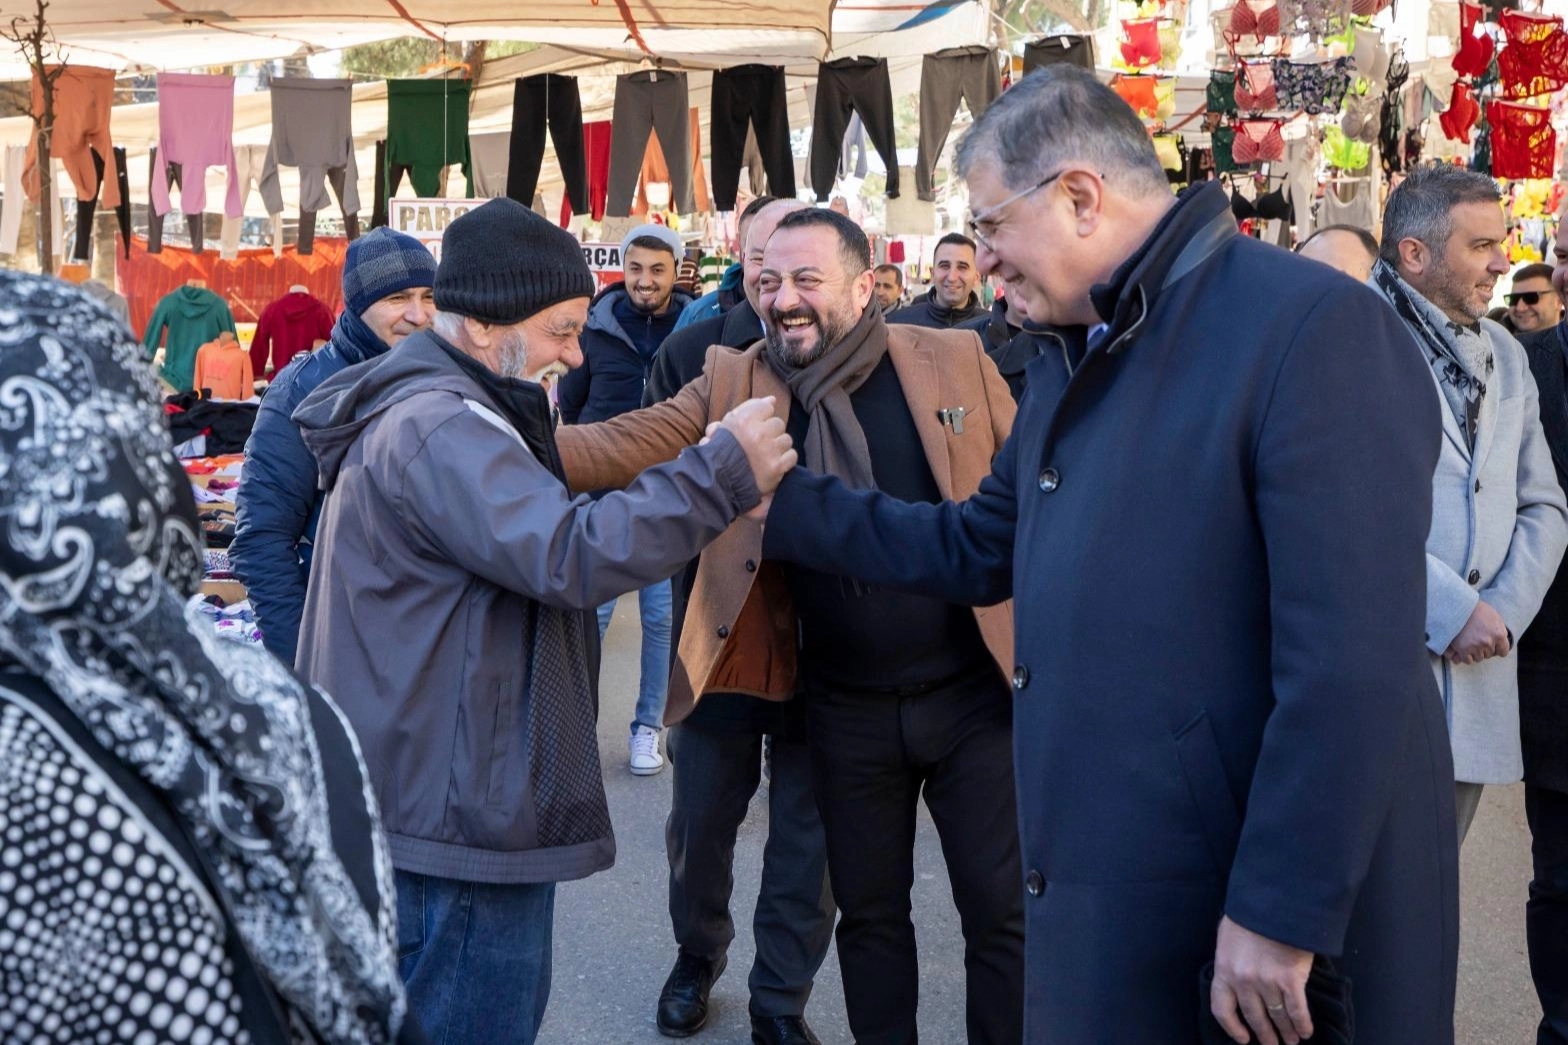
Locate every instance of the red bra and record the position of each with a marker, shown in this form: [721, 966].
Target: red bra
[1258, 141]
[1245, 19]
[1461, 115]
[1474, 56]
[1255, 87]
[1141, 49]
[1535, 62]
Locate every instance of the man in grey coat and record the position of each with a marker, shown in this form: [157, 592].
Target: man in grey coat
[447, 605]
[1499, 524]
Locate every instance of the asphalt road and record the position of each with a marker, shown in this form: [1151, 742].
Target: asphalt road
[613, 947]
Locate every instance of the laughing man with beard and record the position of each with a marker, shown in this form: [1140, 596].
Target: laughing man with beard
[627, 323]
[905, 696]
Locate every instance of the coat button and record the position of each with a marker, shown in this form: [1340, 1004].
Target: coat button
[1475, 576]
[751, 565]
[1050, 479]
[724, 631]
[1034, 883]
[1020, 676]
[1478, 486]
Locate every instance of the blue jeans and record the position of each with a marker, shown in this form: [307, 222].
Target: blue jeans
[475, 958]
[653, 602]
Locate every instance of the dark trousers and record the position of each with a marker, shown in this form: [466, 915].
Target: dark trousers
[653, 101]
[1546, 912]
[751, 94]
[176, 175]
[851, 85]
[85, 209]
[1067, 49]
[536, 101]
[872, 757]
[716, 773]
[967, 73]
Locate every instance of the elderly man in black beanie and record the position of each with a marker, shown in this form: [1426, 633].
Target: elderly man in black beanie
[447, 608]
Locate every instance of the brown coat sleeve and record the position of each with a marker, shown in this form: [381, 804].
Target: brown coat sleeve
[610, 454]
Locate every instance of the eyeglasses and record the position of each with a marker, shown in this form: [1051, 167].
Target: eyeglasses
[983, 235]
[1529, 297]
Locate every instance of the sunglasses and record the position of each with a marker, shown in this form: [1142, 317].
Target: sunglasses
[1529, 297]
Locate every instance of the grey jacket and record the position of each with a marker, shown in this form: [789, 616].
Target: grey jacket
[1499, 527]
[451, 567]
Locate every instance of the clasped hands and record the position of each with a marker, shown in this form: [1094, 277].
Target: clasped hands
[769, 450]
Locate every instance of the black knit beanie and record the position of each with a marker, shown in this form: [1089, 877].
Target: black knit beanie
[501, 263]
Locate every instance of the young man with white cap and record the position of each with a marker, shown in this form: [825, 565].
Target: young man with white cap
[627, 323]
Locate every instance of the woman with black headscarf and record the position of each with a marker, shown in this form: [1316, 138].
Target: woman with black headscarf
[189, 849]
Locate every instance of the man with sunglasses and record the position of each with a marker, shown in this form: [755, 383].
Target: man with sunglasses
[1232, 763]
[1533, 304]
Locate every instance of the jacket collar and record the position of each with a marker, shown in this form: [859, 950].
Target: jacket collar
[601, 311]
[353, 340]
[741, 325]
[953, 316]
[1189, 233]
[524, 404]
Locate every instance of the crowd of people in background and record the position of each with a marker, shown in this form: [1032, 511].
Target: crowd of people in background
[1198, 631]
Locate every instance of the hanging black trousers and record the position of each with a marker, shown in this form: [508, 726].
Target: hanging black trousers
[1066, 49]
[85, 209]
[176, 175]
[844, 86]
[754, 95]
[537, 101]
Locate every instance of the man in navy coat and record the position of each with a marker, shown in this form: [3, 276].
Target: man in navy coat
[1212, 517]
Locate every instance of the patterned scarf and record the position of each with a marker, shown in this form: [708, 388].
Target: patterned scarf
[1460, 356]
[835, 442]
[99, 550]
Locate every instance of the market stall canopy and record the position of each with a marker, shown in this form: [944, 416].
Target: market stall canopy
[177, 34]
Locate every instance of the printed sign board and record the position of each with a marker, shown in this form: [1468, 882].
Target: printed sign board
[426, 220]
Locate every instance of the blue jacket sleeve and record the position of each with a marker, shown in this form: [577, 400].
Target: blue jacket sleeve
[273, 507]
[1342, 488]
[573, 391]
[962, 553]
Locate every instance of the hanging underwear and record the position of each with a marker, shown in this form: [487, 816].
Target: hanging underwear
[1169, 152]
[1255, 90]
[1474, 56]
[1314, 18]
[1462, 114]
[1221, 94]
[1170, 45]
[1151, 97]
[1258, 141]
[1273, 206]
[1363, 117]
[1243, 208]
[1141, 48]
[1312, 87]
[1370, 56]
[1261, 22]
[1535, 61]
[1523, 141]
[1344, 153]
[1222, 141]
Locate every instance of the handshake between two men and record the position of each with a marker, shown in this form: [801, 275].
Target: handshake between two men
[769, 449]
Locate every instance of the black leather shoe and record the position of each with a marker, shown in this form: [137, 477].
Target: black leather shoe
[683, 1004]
[781, 1030]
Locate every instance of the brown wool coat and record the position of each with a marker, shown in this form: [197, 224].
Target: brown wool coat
[740, 634]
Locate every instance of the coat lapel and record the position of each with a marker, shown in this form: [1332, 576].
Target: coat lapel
[917, 371]
[1450, 423]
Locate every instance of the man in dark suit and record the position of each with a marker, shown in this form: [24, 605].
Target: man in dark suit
[1543, 711]
[1228, 743]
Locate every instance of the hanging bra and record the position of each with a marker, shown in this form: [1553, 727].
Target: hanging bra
[1141, 48]
[1370, 57]
[1314, 18]
[1273, 206]
[1255, 88]
[1535, 62]
[1151, 97]
[1169, 151]
[1312, 87]
[1221, 93]
[1258, 141]
[1340, 151]
[1261, 22]
[1461, 114]
[1170, 45]
[1243, 208]
[1474, 56]
[1363, 117]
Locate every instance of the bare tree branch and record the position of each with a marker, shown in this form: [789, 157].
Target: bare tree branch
[37, 43]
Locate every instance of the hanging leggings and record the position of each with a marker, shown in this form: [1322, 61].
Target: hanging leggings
[175, 173]
[651, 101]
[967, 73]
[537, 101]
[249, 161]
[427, 131]
[750, 96]
[851, 85]
[122, 211]
[16, 202]
[312, 129]
[596, 143]
[1068, 49]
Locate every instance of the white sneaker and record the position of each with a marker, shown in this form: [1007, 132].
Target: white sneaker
[644, 747]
